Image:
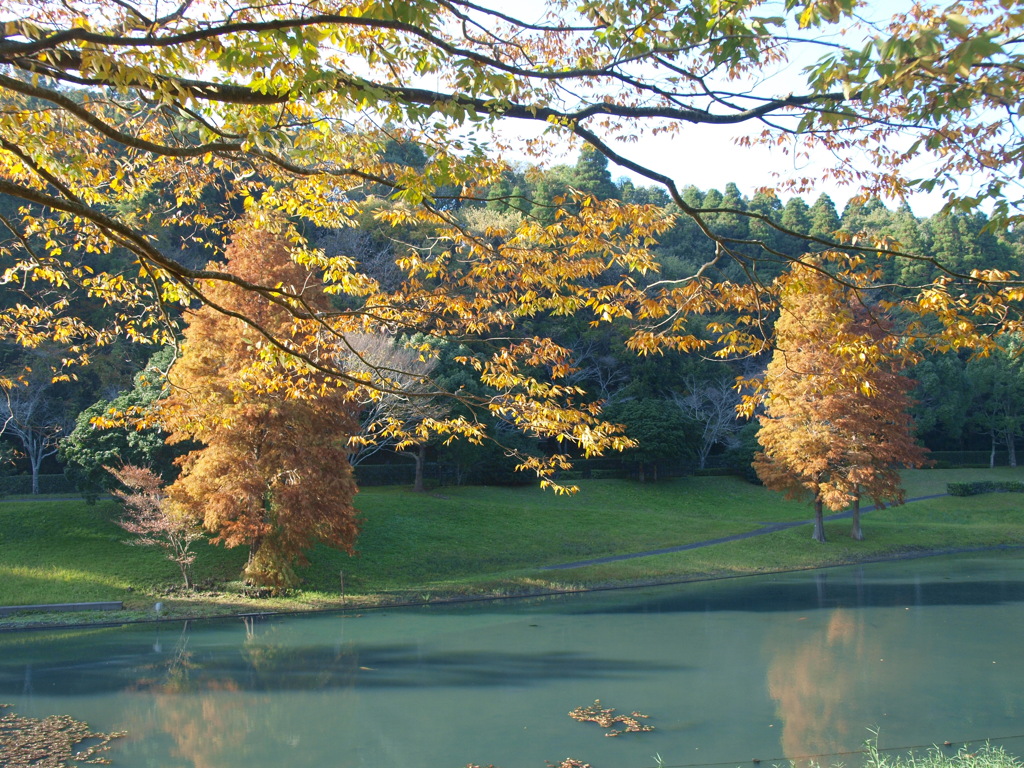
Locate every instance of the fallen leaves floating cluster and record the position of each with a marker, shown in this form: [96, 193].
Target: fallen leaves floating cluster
[27, 742]
[607, 719]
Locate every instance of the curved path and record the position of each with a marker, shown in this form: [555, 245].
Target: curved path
[764, 529]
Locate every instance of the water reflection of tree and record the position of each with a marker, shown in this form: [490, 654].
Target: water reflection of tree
[203, 717]
[814, 682]
[180, 665]
[197, 719]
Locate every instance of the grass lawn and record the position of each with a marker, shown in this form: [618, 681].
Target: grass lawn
[464, 541]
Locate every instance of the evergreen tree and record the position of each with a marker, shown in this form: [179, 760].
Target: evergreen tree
[663, 434]
[947, 242]
[989, 249]
[545, 188]
[591, 174]
[942, 401]
[731, 225]
[630, 193]
[867, 216]
[111, 433]
[684, 247]
[906, 228]
[768, 266]
[796, 216]
[499, 195]
[997, 409]
[824, 218]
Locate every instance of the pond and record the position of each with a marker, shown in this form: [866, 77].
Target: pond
[769, 667]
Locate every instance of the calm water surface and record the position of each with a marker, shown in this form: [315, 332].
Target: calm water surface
[766, 667]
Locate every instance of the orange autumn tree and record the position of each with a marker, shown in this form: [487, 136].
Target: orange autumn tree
[272, 473]
[835, 423]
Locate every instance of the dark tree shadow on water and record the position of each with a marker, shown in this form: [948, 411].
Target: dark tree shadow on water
[290, 668]
[820, 591]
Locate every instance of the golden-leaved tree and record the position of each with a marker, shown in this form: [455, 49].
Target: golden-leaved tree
[272, 470]
[120, 113]
[835, 424]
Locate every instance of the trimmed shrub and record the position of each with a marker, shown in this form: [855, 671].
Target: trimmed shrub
[984, 486]
[21, 485]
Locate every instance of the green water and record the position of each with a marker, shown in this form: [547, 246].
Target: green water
[773, 667]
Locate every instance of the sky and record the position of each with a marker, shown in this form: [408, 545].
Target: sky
[707, 156]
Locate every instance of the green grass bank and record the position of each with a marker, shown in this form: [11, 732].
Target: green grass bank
[472, 541]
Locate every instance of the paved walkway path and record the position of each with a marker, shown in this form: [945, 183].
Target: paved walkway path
[763, 530]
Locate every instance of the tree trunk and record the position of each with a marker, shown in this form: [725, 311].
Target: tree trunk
[254, 546]
[992, 454]
[35, 462]
[642, 477]
[855, 532]
[702, 456]
[819, 523]
[186, 575]
[1011, 448]
[420, 457]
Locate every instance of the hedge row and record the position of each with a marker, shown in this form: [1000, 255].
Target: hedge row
[21, 485]
[948, 459]
[984, 486]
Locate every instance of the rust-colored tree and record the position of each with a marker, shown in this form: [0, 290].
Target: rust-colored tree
[835, 423]
[880, 437]
[273, 473]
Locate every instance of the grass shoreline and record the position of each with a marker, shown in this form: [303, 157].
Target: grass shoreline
[475, 544]
[44, 621]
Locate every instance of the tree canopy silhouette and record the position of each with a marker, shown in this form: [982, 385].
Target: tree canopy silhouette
[121, 114]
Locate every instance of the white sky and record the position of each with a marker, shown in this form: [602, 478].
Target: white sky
[706, 156]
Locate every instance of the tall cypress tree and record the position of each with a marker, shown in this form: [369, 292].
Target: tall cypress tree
[835, 423]
[272, 473]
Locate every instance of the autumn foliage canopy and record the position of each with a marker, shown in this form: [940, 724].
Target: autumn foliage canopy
[121, 117]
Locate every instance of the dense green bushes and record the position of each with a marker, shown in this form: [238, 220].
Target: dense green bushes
[979, 459]
[984, 486]
[21, 485]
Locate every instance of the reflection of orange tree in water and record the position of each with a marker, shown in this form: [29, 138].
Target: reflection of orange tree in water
[211, 721]
[207, 727]
[259, 648]
[180, 666]
[812, 681]
[269, 654]
[204, 718]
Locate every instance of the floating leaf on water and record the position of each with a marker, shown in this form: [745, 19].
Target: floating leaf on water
[27, 742]
[607, 718]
